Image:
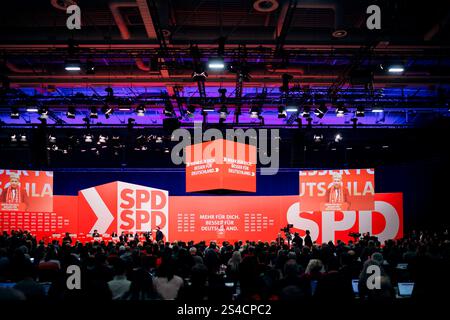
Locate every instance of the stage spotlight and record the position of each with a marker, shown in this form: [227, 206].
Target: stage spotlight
[140, 111]
[282, 112]
[216, 64]
[94, 113]
[338, 137]
[168, 110]
[90, 67]
[15, 114]
[190, 111]
[223, 112]
[107, 111]
[377, 110]
[341, 111]
[23, 138]
[396, 69]
[32, 109]
[71, 112]
[306, 112]
[318, 138]
[208, 108]
[102, 139]
[51, 139]
[292, 109]
[88, 138]
[321, 111]
[359, 112]
[261, 120]
[13, 138]
[72, 65]
[255, 112]
[43, 113]
[199, 76]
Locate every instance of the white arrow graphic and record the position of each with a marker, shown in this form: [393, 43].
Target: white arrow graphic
[104, 216]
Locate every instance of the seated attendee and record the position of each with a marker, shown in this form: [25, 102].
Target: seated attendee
[28, 286]
[119, 285]
[233, 266]
[375, 261]
[95, 234]
[166, 283]
[313, 274]
[197, 290]
[291, 278]
[385, 292]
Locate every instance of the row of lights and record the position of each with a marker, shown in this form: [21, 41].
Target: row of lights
[322, 110]
[255, 111]
[71, 111]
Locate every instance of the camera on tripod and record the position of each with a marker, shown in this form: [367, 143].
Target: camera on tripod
[287, 228]
[287, 232]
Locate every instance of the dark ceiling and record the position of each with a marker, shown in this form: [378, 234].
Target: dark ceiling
[147, 51]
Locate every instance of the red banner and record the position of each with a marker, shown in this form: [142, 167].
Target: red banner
[127, 207]
[220, 165]
[262, 218]
[352, 189]
[43, 224]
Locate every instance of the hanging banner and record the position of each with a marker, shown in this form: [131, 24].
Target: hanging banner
[220, 165]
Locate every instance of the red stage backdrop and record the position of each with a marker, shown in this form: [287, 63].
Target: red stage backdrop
[261, 218]
[220, 165]
[352, 189]
[126, 207]
[26, 191]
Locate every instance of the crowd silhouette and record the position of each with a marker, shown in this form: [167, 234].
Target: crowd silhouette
[242, 271]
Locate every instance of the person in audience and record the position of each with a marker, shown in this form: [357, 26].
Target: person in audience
[149, 270]
[166, 283]
[32, 290]
[120, 284]
[233, 266]
[197, 290]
